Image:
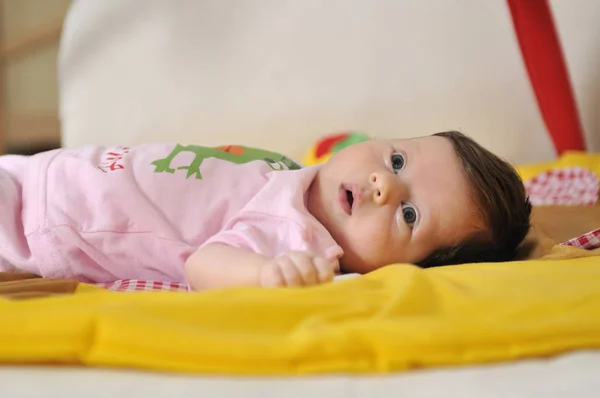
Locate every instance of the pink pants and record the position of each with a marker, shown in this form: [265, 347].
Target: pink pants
[15, 254]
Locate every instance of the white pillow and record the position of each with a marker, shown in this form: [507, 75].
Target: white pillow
[280, 73]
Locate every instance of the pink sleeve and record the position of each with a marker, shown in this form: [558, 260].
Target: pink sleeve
[263, 234]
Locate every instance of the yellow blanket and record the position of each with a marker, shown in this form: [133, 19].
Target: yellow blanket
[397, 318]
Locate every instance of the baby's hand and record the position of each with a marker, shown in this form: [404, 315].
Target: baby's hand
[297, 269]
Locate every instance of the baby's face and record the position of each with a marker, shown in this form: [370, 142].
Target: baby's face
[394, 201]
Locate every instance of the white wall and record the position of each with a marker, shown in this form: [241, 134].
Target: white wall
[579, 30]
[278, 73]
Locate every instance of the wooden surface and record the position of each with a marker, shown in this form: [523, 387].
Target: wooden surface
[566, 222]
[3, 140]
[552, 225]
[25, 129]
[33, 40]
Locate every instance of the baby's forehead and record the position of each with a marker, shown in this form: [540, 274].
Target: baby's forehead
[423, 140]
[430, 148]
[436, 175]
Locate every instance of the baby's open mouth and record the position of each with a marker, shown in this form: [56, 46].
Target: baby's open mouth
[346, 199]
[350, 198]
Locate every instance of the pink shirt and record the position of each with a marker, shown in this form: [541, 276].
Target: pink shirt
[100, 214]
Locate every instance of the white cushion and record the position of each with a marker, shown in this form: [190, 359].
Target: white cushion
[280, 73]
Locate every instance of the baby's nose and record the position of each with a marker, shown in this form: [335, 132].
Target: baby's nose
[386, 188]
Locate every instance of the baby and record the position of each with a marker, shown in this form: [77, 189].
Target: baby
[237, 216]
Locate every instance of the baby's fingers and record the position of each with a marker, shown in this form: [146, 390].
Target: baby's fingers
[325, 269]
[305, 267]
[290, 267]
[271, 276]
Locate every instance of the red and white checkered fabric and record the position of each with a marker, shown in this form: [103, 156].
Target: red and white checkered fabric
[568, 186]
[588, 241]
[137, 285]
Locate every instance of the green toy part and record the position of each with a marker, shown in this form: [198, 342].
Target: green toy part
[352, 138]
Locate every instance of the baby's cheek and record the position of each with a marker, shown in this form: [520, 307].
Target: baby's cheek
[371, 243]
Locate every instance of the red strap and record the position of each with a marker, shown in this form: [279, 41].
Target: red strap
[547, 71]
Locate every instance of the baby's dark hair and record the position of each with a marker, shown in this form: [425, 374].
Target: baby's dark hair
[502, 202]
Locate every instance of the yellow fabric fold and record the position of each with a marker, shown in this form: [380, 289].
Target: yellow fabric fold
[397, 318]
[588, 160]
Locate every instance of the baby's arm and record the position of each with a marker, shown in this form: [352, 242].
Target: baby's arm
[218, 265]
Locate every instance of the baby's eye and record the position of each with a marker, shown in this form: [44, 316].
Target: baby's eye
[397, 162]
[409, 214]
